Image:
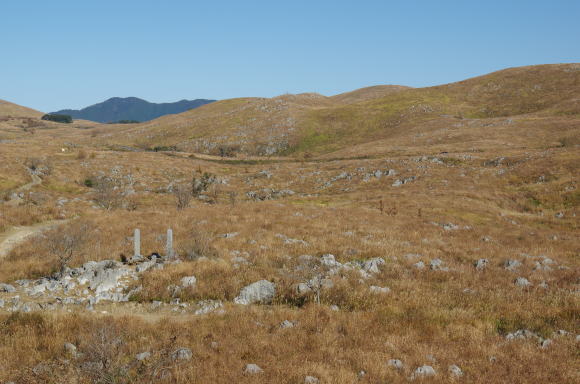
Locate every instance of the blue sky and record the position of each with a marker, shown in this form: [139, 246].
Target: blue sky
[73, 53]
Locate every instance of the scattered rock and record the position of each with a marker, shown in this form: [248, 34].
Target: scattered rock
[188, 281]
[143, 356]
[481, 264]
[7, 288]
[437, 265]
[207, 306]
[252, 369]
[455, 371]
[424, 371]
[311, 380]
[71, 349]
[181, 354]
[419, 265]
[396, 363]
[229, 235]
[512, 265]
[381, 290]
[287, 324]
[522, 282]
[261, 292]
[522, 334]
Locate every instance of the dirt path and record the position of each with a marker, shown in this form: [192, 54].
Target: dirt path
[36, 180]
[16, 235]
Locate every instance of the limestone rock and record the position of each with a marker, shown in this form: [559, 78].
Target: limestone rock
[261, 292]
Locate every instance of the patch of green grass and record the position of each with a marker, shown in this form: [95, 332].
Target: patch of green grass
[62, 187]
[7, 184]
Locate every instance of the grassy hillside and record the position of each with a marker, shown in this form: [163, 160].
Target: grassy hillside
[8, 109]
[295, 124]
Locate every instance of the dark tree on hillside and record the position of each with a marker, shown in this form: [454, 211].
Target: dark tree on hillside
[66, 119]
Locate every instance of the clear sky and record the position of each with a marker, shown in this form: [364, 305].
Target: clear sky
[58, 54]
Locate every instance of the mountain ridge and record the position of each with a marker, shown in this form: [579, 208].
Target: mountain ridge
[131, 108]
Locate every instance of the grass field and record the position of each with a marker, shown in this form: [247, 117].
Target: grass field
[447, 176]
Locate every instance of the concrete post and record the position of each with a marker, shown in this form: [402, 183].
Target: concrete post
[169, 246]
[137, 243]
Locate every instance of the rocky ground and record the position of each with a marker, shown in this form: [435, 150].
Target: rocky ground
[425, 264]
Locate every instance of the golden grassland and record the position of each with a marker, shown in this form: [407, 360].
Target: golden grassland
[511, 187]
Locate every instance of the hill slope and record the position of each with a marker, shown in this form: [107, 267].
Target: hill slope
[131, 108]
[318, 124]
[8, 109]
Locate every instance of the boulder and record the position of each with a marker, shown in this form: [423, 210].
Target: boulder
[261, 292]
[252, 369]
[7, 288]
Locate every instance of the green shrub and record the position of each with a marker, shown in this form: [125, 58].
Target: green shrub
[66, 119]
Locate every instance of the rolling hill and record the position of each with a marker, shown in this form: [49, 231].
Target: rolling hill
[8, 109]
[314, 123]
[131, 108]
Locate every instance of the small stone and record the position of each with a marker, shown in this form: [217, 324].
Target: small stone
[329, 261]
[311, 380]
[143, 356]
[522, 334]
[229, 235]
[188, 281]
[71, 349]
[424, 371]
[522, 282]
[481, 264]
[437, 265]
[252, 369]
[380, 290]
[396, 363]
[287, 324]
[182, 354]
[334, 308]
[545, 343]
[454, 370]
[561, 332]
[512, 265]
[419, 265]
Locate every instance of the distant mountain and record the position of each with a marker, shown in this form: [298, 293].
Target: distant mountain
[131, 108]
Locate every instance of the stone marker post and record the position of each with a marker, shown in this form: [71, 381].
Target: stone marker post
[169, 246]
[137, 243]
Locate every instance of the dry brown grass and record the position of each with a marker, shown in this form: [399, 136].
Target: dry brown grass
[512, 204]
